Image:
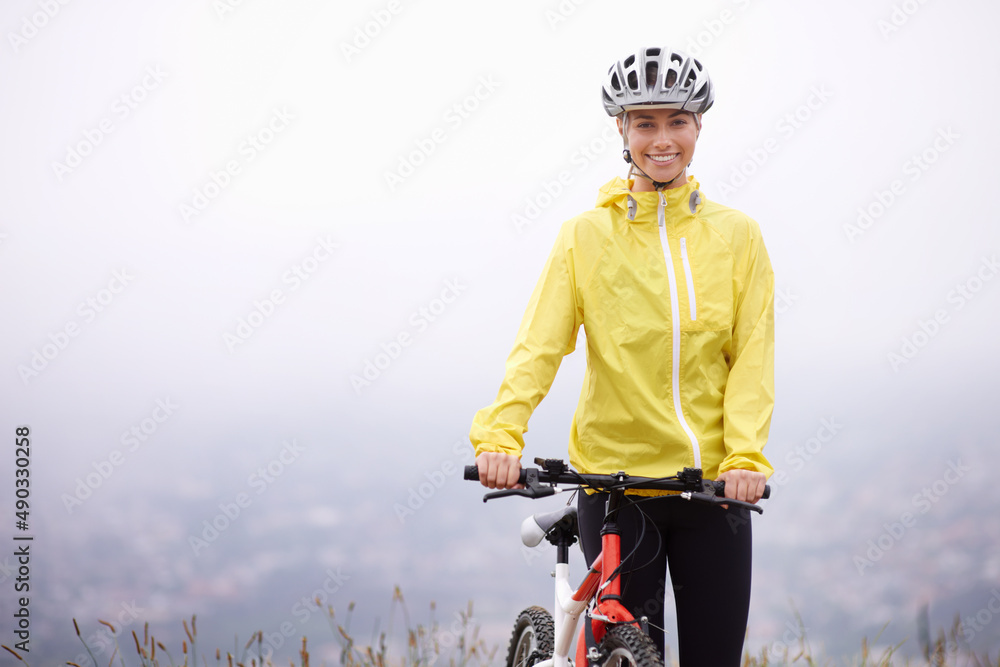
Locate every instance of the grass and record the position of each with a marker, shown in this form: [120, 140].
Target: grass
[950, 649]
[423, 647]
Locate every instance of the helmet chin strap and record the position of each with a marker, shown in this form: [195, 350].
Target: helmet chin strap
[659, 185]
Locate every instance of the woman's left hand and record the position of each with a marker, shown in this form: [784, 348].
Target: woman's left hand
[745, 485]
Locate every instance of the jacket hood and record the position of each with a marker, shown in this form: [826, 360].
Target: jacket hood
[617, 193]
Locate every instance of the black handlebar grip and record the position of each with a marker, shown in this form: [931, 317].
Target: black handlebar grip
[720, 489]
[472, 474]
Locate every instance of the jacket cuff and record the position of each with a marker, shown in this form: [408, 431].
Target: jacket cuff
[494, 448]
[744, 463]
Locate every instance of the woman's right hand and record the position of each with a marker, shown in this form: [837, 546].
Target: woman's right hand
[498, 470]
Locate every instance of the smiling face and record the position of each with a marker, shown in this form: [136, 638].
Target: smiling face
[662, 144]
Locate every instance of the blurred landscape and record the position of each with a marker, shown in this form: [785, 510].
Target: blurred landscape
[332, 535]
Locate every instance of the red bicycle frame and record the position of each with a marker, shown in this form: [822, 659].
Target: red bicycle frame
[609, 608]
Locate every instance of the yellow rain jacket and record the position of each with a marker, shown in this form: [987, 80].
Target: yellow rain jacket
[676, 296]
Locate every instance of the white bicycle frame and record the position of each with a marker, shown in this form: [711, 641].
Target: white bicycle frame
[567, 614]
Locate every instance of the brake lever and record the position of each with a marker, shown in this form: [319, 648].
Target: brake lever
[712, 499]
[527, 492]
[532, 488]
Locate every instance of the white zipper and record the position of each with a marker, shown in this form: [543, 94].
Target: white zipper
[690, 280]
[675, 371]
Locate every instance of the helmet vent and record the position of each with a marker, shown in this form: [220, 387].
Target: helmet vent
[659, 76]
[652, 69]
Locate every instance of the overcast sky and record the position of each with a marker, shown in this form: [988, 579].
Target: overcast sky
[227, 224]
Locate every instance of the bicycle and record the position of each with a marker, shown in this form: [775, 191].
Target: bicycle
[617, 638]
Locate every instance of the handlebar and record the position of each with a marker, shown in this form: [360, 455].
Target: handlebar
[688, 482]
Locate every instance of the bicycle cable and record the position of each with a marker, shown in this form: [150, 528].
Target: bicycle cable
[659, 542]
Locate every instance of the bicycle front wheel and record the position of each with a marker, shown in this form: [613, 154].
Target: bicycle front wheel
[532, 640]
[628, 646]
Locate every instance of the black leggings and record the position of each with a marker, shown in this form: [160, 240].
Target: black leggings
[708, 550]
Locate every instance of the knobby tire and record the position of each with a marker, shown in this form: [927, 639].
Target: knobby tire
[533, 638]
[628, 646]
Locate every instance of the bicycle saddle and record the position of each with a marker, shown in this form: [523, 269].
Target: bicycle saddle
[537, 526]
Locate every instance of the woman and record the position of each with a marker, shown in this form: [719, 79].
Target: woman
[676, 296]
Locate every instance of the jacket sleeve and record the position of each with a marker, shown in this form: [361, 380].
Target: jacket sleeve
[547, 333]
[749, 396]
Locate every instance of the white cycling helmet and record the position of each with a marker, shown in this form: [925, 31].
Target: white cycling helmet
[658, 77]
